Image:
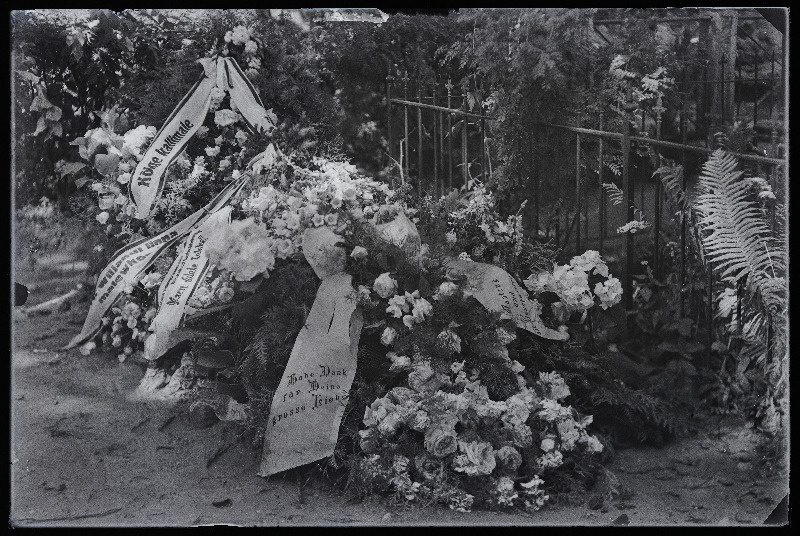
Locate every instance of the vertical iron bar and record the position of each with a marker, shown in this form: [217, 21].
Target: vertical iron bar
[419, 135]
[772, 85]
[755, 97]
[706, 103]
[657, 207]
[536, 167]
[578, 191]
[627, 186]
[483, 150]
[683, 208]
[405, 117]
[389, 133]
[449, 137]
[739, 85]
[602, 200]
[722, 89]
[464, 164]
[436, 186]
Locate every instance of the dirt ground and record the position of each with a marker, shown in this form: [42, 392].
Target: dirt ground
[85, 453]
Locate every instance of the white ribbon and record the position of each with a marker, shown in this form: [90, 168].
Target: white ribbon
[186, 119]
[307, 408]
[187, 272]
[129, 263]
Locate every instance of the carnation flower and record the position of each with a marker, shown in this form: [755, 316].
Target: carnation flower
[445, 290]
[224, 164]
[250, 47]
[212, 151]
[240, 35]
[548, 444]
[422, 307]
[225, 294]
[388, 336]
[399, 362]
[478, 458]
[224, 118]
[389, 424]
[423, 379]
[358, 253]
[384, 285]
[87, 348]
[421, 421]
[408, 321]
[450, 341]
[397, 306]
[202, 132]
[124, 178]
[509, 458]
[451, 237]
[550, 460]
[102, 217]
[241, 136]
[523, 435]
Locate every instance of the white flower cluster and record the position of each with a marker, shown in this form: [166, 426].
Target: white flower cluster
[115, 157]
[571, 284]
[435, 413]
[410, 307]
[633, 226]
[245, 248]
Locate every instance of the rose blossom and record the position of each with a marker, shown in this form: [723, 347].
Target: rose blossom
[440, 443]
[384, 285]
[388, 337]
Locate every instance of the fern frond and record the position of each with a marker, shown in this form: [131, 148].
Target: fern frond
[736, 237]
[613, 192]
[671, 176]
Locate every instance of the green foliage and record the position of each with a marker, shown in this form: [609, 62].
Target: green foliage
[624, 413]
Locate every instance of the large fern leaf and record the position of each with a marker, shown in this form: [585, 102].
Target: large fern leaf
[736, 238]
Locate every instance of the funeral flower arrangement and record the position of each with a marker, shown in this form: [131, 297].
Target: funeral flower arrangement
[449, 403]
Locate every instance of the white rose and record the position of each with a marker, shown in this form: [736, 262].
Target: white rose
[358, 253]
[384, 285]
[388, 337]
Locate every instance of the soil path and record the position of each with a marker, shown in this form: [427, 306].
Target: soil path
[84, 454]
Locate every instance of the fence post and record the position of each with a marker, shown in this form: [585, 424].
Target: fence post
[483, 149]
[627, 186]
[535, 167]
[405, 117]
[683, 185]
[449, 136]
[772, 85]
[721, 89]
[602, 200]
[419, 134]
[578, 190]
[755, 97]
[389, 133]
[738, 84]
[464, 164]
[657, 205]
[437, 187]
